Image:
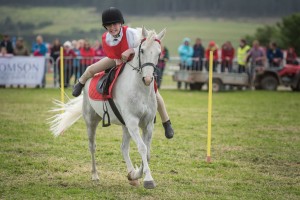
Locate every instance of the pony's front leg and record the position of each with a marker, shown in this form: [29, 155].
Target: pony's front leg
[147, 138]
[133, 174]
[142, 148]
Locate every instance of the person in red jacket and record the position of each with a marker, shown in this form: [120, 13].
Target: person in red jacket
[227, 56]
[99, 52]
[99, 49]
[87, 53]
[118, 44]
[69, 56]
[212, 47]
[291, 56]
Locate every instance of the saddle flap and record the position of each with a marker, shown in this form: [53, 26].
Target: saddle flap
[102, 83]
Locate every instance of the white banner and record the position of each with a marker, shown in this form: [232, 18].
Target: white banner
[22, 70]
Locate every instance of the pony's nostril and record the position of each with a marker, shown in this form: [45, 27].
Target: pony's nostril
[147, 80]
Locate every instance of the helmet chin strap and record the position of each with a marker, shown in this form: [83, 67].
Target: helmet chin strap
[118, 35]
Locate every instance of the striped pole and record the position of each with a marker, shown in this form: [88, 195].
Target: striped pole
[62, 87]
[208, 158]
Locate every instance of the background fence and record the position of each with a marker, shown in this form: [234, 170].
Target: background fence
[74, 67]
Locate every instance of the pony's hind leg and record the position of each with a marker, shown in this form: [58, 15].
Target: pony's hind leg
[92, 120]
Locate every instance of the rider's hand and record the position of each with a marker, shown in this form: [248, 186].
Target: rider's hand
[125, 55]
[124, 58]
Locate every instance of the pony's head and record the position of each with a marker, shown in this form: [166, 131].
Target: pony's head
[149, 52]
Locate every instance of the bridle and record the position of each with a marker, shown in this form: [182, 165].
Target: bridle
[141, 66]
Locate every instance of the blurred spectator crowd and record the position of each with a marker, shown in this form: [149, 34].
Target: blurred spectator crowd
[244, 59]
[194, 57]
[79, 54]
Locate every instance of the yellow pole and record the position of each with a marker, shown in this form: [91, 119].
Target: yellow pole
[208, 158]
[62, 87]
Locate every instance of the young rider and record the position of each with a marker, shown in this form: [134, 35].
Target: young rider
[118, 43]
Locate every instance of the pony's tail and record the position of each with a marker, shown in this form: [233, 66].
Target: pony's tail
[69, 113]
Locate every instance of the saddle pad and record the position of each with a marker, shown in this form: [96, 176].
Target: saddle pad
[96, 96]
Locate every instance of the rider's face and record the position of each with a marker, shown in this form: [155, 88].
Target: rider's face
[114, 29]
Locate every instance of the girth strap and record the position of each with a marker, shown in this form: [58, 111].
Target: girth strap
[116, 111]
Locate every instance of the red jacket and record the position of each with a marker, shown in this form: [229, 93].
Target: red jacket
[291, 57]
[87, 56]
[227, 53]
[99, 52]
[215, 54]
[115, 52]
[69, 53]
[69, 57]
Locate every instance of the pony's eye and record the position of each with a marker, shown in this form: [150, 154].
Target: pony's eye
[142, 50]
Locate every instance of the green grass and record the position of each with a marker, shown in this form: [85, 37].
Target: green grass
[255, 150]
[66, 20]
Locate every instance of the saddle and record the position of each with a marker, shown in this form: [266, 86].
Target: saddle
[105, 81]
[100, 89]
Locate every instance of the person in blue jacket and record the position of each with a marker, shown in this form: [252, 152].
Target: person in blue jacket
[274, 55]
[39, 48]
[186, 53]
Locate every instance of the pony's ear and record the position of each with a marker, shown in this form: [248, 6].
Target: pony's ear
[144, 32]
[161, 34]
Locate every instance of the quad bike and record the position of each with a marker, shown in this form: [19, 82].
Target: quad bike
[271, 78]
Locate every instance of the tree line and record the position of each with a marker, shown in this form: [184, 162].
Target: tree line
[285, 33]
[211, 8]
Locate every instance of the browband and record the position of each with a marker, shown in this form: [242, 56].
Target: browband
[157, 40]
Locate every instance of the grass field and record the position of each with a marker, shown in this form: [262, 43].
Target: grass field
[66, 20]
[255, 150]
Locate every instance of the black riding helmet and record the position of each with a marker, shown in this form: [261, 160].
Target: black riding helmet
[112, 15]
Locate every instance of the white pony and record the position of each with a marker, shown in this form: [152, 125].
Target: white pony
[135, 99]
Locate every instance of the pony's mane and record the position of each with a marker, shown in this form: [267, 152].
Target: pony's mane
[150, 38]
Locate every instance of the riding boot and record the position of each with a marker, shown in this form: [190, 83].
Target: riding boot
[77, 89]
[169, 132]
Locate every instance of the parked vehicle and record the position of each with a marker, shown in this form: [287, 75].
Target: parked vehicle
[197, 79]
[265, 78]
[271, 78]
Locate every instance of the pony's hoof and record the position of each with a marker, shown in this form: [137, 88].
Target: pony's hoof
[149, 184]
[134, 183]
[95, 177]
